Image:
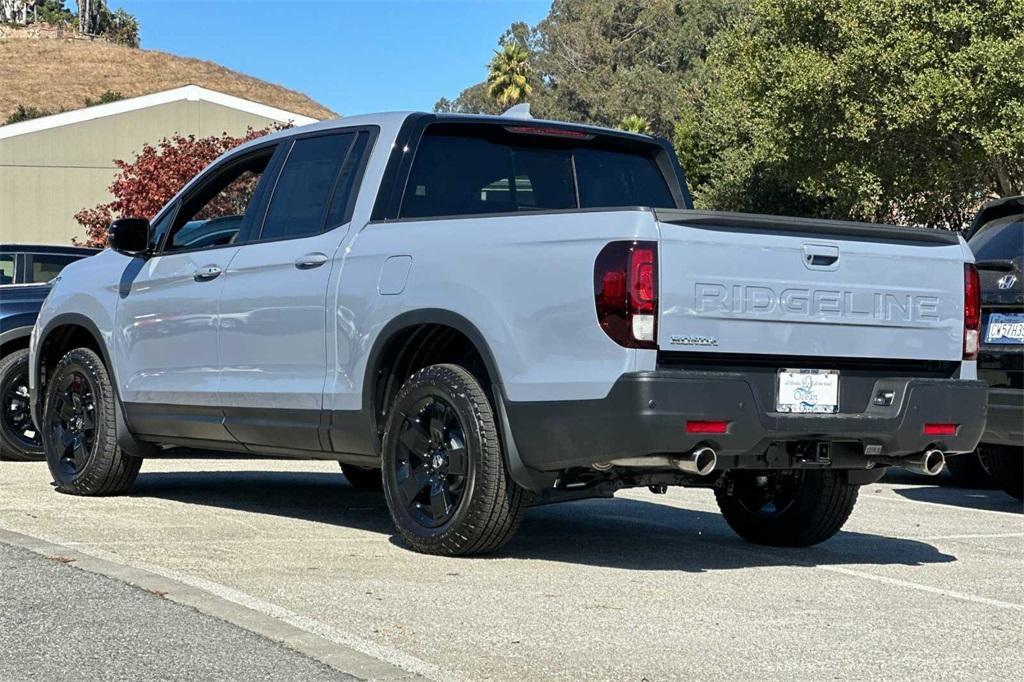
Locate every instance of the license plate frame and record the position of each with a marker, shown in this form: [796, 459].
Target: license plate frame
[807, 391]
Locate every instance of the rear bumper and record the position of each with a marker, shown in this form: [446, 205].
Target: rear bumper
[1005, 425]
[645, 414]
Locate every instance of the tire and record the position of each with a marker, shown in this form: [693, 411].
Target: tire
[79, 431]
[444, 472]
[968, 470]
[362, 478]
[1006, 464]
[19, 438]
[786, 508]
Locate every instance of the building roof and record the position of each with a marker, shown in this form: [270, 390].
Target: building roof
[192, 93]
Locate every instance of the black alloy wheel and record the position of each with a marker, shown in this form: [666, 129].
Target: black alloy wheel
[431, 466]
[19, 438]
[72, 422]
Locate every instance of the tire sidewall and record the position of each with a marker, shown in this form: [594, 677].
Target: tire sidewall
[413, 391]
[89, 364]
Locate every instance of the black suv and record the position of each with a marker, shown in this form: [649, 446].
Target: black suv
[25, 270]
[997, 239]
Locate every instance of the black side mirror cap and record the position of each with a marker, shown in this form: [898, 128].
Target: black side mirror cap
[129, 236]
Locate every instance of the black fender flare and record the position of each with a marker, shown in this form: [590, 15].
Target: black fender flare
[125, 439]
[523, 475]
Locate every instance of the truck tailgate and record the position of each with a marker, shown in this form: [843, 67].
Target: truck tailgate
[737, 283]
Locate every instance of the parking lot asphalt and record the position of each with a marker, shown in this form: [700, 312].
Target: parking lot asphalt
[924, 582]
[62, 623]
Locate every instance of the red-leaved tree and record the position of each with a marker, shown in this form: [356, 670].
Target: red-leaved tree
[144, 185]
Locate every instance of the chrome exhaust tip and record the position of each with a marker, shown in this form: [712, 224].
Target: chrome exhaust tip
[702, 461]
[929, 463]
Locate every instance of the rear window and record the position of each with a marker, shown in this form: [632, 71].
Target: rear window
[480, 169]
[45, 267]
[999, 239]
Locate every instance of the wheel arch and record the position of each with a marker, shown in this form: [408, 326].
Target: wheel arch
[397, 352]
[61, 334]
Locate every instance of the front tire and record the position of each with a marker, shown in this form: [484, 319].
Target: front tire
[19, 438]
[79, 429]
[444, 473]
[786, 508]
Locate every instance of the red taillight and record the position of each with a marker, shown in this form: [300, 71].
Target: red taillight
[940, 429]
[972, 312]
[626, 292]
[707, 426]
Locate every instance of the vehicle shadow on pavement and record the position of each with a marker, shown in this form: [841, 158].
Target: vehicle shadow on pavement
[990, 500]
[611, 533]
[943, 490]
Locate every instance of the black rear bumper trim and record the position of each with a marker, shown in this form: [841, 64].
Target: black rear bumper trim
[645, 414]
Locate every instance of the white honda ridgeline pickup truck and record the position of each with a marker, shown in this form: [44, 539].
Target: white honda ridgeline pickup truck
[483, 313]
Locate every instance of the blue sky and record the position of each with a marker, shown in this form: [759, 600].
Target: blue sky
[352, 57]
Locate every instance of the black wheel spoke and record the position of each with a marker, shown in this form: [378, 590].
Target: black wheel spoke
[415, 437]
[78, 452]
[440, 501]
[66, 410]
[457, 462]
[413, 484]
[437, 421]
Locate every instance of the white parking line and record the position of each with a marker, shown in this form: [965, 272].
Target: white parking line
[971, 536]
[923, 588]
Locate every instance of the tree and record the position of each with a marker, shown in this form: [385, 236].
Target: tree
[24, 113]
[632, 123]
[508, 75]
[106, 97]
[908, 111]
[143, 185]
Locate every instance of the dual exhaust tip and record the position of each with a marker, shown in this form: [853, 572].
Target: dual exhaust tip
[703, 460]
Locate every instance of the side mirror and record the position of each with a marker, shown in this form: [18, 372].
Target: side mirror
[129, 236]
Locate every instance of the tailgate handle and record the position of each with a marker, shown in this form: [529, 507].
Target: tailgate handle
[821, 256]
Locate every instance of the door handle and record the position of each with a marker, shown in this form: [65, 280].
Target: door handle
[206, 274]
[821, 256]
[310, 261]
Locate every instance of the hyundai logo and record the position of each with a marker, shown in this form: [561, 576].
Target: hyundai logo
[1007, 281]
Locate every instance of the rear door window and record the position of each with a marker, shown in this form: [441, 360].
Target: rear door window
[306, 187]
[484, 169]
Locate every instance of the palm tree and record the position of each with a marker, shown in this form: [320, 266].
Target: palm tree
[508, 77]
[634, 123]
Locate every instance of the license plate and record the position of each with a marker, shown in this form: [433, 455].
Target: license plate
[1005, 328]
[813, 391]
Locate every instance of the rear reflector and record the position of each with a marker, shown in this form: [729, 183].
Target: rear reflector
[940, 429]
[707, 426]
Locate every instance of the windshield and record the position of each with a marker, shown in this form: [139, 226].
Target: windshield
[999, 239]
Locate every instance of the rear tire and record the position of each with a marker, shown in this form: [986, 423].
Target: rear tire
[19, 438]
[968, 470]
[444, 473]
[1006, 465]
[362, 478]
[786, 508]
[79, 429]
